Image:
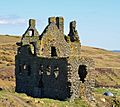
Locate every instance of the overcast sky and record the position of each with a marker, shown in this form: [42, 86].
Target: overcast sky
[98, 21]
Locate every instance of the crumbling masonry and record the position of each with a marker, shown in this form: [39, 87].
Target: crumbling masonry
[49, 65]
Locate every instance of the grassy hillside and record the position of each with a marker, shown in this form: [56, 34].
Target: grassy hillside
[7, 39]
[7, 61]
[102, 58]
[107, 66]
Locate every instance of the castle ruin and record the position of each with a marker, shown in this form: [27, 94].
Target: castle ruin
[50, 65]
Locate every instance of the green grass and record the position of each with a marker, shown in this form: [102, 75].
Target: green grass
[116, 92]
[40, 102]
[110, 101]
[46, 102]
[2, 94]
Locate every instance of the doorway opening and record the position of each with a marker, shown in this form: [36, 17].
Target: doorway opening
[40, 85]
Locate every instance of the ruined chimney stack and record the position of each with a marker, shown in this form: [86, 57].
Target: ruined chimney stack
[32, 22]
[60, 23]
[73, 32]
[52, 20]
[73, 25]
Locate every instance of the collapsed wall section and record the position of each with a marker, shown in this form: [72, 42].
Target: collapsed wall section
[79, 77]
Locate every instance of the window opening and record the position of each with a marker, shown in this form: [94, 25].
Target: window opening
[24, 67]
[40, 70]
[31, 32]
[82, 72]
[56, 71]
[48, 70]
[53, 51]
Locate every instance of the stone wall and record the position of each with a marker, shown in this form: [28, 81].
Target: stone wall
[53, 37]
[31, 37]
[42, 77]
[74, 77]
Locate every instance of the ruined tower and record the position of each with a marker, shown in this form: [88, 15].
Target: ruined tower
[49, 65]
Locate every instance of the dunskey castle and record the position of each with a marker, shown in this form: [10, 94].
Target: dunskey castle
[50, 64]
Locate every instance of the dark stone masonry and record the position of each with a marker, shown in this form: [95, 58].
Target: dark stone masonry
[50, 65]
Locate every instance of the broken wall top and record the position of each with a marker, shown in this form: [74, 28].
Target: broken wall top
[53, 37]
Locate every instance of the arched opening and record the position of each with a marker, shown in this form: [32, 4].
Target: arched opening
[82, 71]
